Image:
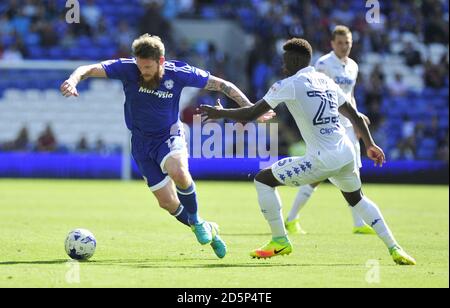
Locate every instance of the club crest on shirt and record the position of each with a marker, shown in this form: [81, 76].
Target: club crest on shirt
[168, 84]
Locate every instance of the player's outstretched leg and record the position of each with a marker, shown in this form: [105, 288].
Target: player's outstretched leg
[370, 212]
[201, 228]
[217, 244]
[293, 221]
[270, 204]
[168, 200]
[177, 168]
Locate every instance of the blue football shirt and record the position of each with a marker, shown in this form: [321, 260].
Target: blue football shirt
[154, 112]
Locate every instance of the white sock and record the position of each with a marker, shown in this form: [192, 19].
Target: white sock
[270, 204]
[357, 220]
[304, 193]
[370, 212]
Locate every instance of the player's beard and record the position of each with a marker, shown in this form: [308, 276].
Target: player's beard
[153, 83]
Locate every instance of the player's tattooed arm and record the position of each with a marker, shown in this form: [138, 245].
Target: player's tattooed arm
[233, 92]
[229, 89]
[68, 87]
[359, 124]
[243, 114]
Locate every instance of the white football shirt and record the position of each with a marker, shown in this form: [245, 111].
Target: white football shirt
[343, 74]
[313, 100]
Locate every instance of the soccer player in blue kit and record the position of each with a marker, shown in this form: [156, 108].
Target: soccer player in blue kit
[152, 89]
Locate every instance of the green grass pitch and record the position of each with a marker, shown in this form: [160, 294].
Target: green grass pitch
[140, 245]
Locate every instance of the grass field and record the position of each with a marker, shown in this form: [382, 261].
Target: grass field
[139, 245]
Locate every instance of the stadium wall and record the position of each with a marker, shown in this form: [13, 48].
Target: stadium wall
[94, 166]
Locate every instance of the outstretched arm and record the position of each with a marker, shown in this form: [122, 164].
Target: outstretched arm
[69, 86]
[229, 89]
[374, 152]
[243, 114]
[233, 92]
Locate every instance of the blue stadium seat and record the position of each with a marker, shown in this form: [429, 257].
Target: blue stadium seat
[56, 53]
[428, 143]
[36, 52]
[84, 42]
[429, 92]
[425, 154]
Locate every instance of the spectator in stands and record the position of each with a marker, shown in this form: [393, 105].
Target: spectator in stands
[100, 146]
[6, 27]
[374, 112]
[380, 132]
[343, 14]
[12, 54]
[374, 86]
[30, 8]
[91, 13]
[443, 153]
[408, 128]
[122, 52]
[398, 87]
[46, 141]
[434, 75]
[20, 143]
[435, 28]
[125, 35]
[48, 36]
[405, 149]
[411, 54]
[82, 145]
[155, 25]
[432, 130]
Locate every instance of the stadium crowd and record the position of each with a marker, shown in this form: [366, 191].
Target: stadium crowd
[32, 29]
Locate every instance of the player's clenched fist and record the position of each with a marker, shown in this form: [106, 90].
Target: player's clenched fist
[68, 89]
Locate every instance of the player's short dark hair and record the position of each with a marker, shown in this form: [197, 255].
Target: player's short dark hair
[148, 47]
[298, 54]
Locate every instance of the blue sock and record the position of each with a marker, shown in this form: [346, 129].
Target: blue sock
[189, 200]
[182, 215]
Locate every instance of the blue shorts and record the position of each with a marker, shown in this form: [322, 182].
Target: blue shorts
[151, 154]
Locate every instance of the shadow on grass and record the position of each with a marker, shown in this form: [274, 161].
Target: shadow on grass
[177, 263]
[40, 262]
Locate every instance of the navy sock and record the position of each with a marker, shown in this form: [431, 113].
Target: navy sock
[182, 215]
[188, 198]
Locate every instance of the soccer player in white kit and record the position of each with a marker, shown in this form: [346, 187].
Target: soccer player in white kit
[344, 71]
[315, 101]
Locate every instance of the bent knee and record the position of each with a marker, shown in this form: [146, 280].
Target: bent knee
[266, 177]
[353, 198]
[169, 205]
[181, 177]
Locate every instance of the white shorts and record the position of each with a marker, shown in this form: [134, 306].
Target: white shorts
[350, 131]
[298, 171]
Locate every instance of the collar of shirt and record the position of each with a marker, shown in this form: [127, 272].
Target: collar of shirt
[306, 70]
[334, 56]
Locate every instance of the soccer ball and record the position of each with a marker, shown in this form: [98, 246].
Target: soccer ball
[80, 244]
